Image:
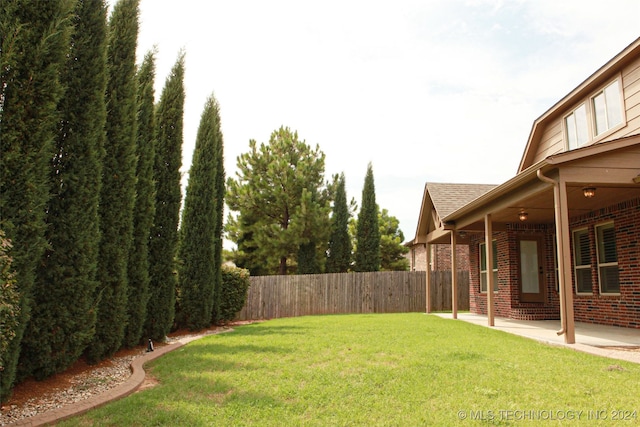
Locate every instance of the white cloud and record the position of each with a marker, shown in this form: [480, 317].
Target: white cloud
[425, 90]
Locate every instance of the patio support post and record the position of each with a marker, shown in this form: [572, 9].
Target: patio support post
[564, 261]
[488, 233]
[428, 276]
[454, 276]
[565, 288]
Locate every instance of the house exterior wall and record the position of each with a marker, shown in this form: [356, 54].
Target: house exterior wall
[507, 298]
[623, 309]
[440, 258]
[552, 140]
[615, 310]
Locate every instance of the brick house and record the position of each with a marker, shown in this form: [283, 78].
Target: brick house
[440, 200]
[563, 233]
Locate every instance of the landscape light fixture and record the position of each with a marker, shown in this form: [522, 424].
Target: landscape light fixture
[589, 192]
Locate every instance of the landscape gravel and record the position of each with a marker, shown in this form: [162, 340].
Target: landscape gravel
[92, 381]
[83, 386]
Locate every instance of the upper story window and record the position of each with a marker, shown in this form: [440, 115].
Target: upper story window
[577, 128]
[589, 120]
[607, 107]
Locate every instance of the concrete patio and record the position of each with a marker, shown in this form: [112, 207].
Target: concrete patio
[607, 341]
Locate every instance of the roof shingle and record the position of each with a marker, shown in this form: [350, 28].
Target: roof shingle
[447, 198]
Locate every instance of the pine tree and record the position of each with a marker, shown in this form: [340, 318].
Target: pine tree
[164, 235]
[367, 257]
[197, 257]
[138, 267]
[281, 198]
[339, 253]
[63, 316]
[34, 41]
[117, 197]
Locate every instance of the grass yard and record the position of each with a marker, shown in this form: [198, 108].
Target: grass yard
[380, 370]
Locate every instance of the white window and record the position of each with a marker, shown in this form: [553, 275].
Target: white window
[607, 259]
[582, 261]
[577, 127]
[483, 267]
[607, 108]
[589, 120]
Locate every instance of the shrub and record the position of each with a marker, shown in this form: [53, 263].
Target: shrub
[9, 299]
[235, 285]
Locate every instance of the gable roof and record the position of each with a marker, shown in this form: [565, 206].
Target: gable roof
[448, 198]
[440, 200]
[598, 78]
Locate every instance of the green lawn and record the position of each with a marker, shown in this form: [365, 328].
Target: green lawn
[377, 369]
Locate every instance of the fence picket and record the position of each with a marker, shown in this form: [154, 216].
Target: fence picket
[343, 293]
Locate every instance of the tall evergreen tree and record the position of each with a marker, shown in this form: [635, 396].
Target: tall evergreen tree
[392, 251]
[9, 300]
[367, 256]
[279, 194]
[339, 253]
[307, 258]
[117, 197]
[63, 317]
[315, 224]
[239, 230]
[197, 254]
[219, 193]
[164, 233]
[34, 38]
[138, 267]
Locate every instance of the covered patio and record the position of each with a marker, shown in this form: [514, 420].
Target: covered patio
[601, 340]
[530, 219]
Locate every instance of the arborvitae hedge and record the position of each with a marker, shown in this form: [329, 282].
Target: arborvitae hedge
[220, 190]
[9, 300]
[164, 234]
[367, 257]
[339, 254]
[35, 41]
[63, 316]
[144, 212]
[307, 262]
[118, 187]
[198, 269]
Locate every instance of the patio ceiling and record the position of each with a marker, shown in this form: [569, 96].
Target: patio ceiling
[540, 205]
[613, 169]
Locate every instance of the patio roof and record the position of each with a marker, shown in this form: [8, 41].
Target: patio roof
[612, 167]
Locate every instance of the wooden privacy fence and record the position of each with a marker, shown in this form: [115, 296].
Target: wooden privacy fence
[271, 297]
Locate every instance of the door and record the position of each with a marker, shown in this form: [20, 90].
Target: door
[531, 269]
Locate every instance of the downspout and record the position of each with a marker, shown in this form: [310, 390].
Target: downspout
[563, 309]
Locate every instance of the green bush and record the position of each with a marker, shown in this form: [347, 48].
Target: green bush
[9, 299]
[235, 285]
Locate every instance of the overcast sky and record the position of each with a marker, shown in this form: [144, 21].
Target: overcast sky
[428, 91]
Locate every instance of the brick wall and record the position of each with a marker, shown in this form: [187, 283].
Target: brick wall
[508, 300]
[623, 309]
[440, 258]
[616, 310]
